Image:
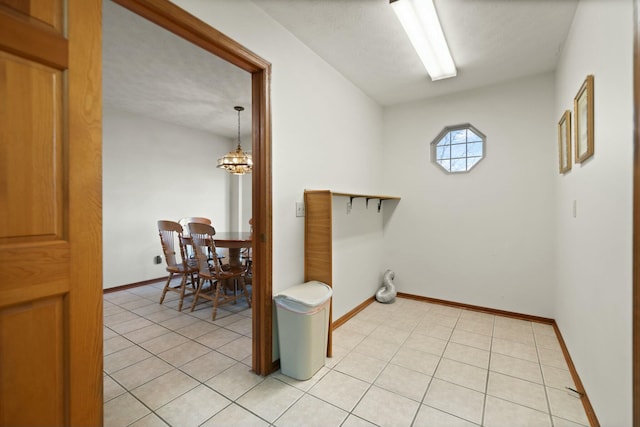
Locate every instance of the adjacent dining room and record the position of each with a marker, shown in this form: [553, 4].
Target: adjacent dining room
[163, 139]
[175, 155]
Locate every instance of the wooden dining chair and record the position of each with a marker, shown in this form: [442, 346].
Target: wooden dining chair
[185, 221]
[213, 274]
[171, 236]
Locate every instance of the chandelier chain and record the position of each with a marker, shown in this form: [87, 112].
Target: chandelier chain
[238, 128]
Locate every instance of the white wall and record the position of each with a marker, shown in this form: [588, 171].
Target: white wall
[326, 132]
[151, 171]
[593, 296]
[240, 201]
[485, 237]
[358, 252]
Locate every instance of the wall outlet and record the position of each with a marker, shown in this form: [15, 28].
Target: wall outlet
[157, 259]
[299, 209]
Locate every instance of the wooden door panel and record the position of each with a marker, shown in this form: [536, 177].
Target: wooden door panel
[31, 168]
[32, 364]
[30, 39]
[33, 271]
[33, 258]
[48, 12]
[50, 213]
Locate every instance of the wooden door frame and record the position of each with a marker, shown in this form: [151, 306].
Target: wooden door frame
[636, 214]
[172, 18]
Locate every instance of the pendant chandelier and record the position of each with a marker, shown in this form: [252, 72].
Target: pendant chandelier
[237, 162]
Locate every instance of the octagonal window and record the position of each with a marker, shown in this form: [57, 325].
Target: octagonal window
[458, 148]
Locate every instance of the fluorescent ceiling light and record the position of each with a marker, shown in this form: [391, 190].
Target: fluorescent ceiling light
[421, 23]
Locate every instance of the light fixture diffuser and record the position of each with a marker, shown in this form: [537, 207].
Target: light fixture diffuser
[420, 21]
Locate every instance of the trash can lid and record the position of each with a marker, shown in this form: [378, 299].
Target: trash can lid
[310, 294]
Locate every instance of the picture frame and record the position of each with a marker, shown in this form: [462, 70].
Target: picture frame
[583, 117]
[564, 142]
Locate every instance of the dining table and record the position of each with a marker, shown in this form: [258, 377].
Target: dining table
[234, 241]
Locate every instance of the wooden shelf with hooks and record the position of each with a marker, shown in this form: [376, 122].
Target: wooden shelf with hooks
[318, 236]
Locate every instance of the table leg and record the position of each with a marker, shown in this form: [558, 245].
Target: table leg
[234, 258]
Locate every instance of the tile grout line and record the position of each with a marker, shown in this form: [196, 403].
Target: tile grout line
[453, 329]
[387, 363]
[435, 369]
[544, 382]
[376, 377]
[486, 384]
[175, 331]
[152, 354]
[130, 392]
[421, 402]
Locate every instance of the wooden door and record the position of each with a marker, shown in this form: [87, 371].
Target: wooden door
[50, 213]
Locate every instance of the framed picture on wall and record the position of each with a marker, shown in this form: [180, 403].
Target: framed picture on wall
[583, 120]
[564, 141]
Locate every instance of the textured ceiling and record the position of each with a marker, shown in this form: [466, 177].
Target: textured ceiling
[149, 71]
[490, 41]
[152, 72]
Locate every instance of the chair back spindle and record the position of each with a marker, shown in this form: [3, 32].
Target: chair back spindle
[185, 221]
[203, 245]
[171, 234]
[220, 280]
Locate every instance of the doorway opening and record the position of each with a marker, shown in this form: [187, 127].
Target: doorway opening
[174, 19]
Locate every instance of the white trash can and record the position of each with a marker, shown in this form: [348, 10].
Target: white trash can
[302, 312]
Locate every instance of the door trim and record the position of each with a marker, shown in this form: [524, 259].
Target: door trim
[636, 214]
[172, 18]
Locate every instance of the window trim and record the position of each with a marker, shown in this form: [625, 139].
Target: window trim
[449, 129]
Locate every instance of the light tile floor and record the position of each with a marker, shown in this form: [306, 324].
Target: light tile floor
[408, 363]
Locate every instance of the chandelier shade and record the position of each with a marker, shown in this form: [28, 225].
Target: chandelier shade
[237, 162]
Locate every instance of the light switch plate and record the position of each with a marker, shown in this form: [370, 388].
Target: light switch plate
[299, 209]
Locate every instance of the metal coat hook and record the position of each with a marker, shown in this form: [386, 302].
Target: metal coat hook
[379, 202]
[350, 202]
